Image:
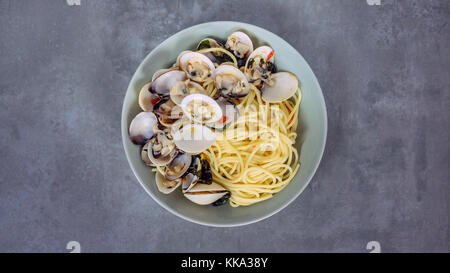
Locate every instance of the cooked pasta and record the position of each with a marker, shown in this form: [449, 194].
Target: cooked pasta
[251, 166]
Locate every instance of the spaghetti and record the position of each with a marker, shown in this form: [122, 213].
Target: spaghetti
[254, 164]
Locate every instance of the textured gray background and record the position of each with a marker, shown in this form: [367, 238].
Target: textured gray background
[384, 71]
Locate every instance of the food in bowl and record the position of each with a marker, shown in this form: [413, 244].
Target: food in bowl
[220, 124]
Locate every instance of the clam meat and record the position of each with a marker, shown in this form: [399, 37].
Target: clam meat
[260, 65]
[231, 82]
[166, 186]
[161, 150]
[201, 108]
[184, 88]
[197, 66]
[240, 44]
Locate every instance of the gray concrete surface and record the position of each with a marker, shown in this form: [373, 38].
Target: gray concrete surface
[384, 71]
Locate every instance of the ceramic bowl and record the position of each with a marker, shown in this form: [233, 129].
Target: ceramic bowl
[311, 138]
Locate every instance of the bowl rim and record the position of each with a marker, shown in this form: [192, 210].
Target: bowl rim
[124, 130]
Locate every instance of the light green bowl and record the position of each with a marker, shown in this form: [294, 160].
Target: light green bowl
[310, 142]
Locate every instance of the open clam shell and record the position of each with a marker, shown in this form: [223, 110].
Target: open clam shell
[185, 88]
[231, 82]
[217, 57]
[141, 127]
[159, 72]
[240, 44]
[208, 43]
[161, 150]
[147, 100]
[201, 108]
[162, 84]
[205, 194]
[168, 112]
[230, 113]
[178, 167]
[178, 63]
[194, 138]
[197, 66]
[194, 174]
[188, 182]
[282, 86]
[260, 64]
[144, 156]
[166, 186]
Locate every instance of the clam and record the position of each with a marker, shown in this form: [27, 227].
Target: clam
[161, 149]
[166, 186]
[177, 63]
[205, 194]
[194, 138]
[201, 108]
[188, 182]
[193, 174]
[216, 57]
[208, 43]
[144, 156]
[141, 127]
[147, 99]
[168, 112]
[197, 66]
[231, 82]
[182, 89]
[199, 172]
[178, 167]
[240, 44]
[230, 113]
[159, 72]
[282, 86]
[260, 65]
[162, 84]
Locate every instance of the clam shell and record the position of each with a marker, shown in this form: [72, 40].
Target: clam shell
[147, 100]
[161, 160]
[243, 38]
[229, 69]
[192, 107]
[205, 194]
[212, 43]
[230, 113]
[263, 51]
[177, 63]
[185, 58]
[188, 182]
[144, 156]
[284, 85]
[166, 186]
[168, 113]
[189, 86]
[141, 127]
[194, 138]
[164, 82]
[178, 167]
[159, 72]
